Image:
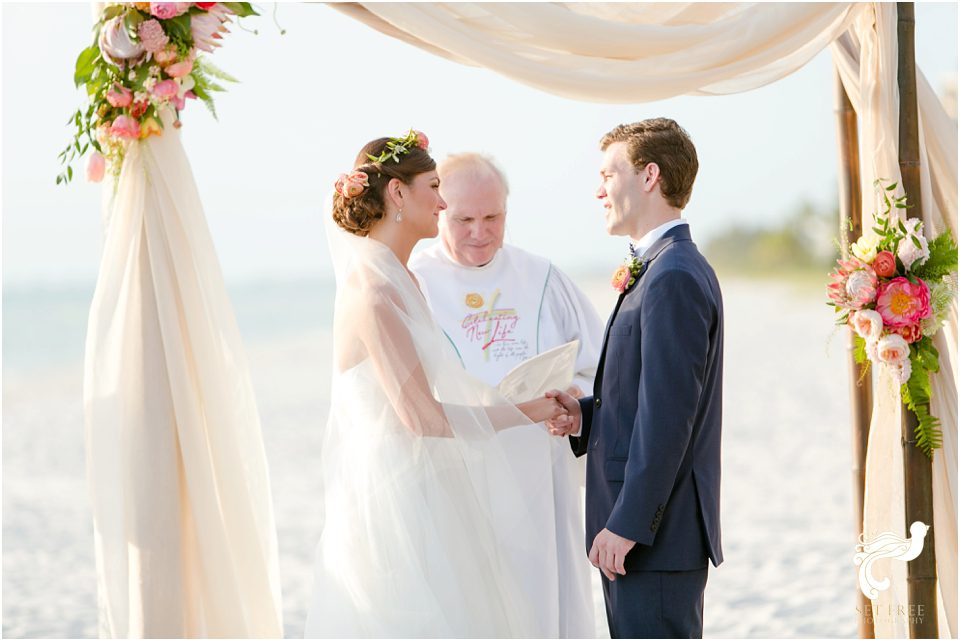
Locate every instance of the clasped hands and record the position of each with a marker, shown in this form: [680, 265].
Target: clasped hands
[568, 421]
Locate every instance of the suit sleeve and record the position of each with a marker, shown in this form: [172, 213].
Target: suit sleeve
[579, 443]
[675, 325]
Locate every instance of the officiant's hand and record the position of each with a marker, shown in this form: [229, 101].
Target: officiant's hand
[569, 424]
[608, 553]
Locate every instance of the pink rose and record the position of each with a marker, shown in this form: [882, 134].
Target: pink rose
[902, 303]
[422, 141]
[621, 278]
[885, 265]
[167, 10]
[119, 96]
[352, 185]
[125, 127]
[166, 56]
[867, 323]
[96, 165]
[180, 69]
[892, 349]
[165, 89]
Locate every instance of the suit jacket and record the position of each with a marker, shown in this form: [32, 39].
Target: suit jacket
[652, 426]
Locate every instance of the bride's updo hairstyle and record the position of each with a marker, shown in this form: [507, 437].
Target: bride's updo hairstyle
[357, 214]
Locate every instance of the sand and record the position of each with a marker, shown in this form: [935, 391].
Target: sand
[788, 532]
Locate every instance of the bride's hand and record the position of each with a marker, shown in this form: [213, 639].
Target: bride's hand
[542, 409]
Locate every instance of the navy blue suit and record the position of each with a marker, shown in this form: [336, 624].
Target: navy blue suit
[652, 432]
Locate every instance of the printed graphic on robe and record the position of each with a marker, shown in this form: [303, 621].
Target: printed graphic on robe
[492, 329]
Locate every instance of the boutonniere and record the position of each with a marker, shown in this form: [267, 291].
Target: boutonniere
[626, 274]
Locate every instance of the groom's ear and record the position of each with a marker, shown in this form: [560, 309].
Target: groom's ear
[650, 176]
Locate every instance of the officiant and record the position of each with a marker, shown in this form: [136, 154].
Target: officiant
[500, 305]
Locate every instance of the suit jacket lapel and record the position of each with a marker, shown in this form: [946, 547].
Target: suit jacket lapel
[680, 232]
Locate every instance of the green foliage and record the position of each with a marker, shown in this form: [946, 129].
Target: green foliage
[860, 350]
[242, 9]
[943, 258]
[916, 396]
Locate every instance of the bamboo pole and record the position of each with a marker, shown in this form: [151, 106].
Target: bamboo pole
[917, 468]
[861, 387]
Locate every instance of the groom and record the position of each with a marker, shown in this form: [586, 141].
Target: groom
[652, 426]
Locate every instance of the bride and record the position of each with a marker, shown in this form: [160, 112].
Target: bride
[423, 524]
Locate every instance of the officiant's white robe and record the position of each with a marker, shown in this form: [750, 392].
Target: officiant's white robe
[497, 316]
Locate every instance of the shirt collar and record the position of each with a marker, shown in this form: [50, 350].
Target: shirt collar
[640, 247]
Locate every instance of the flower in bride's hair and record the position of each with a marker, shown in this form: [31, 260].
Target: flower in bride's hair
[352, 185]
[422, 141]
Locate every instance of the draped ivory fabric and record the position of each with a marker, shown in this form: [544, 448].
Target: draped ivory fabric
[866, 59]
[183, 521]
[612, 52]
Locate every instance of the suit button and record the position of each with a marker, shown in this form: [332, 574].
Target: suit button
[653, 528]
[596, 403]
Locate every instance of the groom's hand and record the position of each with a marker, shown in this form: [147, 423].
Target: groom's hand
[608, 553]
[570, 423]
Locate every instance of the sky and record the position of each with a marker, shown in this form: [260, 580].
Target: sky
[309, 99]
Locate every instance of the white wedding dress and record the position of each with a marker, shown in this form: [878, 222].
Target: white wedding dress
[425, 534]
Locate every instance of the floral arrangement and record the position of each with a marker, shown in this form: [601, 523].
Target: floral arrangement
[396, 147]
[144, 59]
[626, 274]
[895, 292]
[351, 185]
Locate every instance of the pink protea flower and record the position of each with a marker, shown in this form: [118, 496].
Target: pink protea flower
[116, 47]
[207, 28]
[119, 96]
[125, 127]
[854, 284]
[152, 36]
[902, 303]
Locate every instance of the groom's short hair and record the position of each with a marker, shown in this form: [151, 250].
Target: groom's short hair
[664, 142]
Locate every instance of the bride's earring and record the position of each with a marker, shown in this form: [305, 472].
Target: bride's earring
[399, 215]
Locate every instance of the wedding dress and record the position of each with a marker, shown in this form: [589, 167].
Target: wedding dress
[425, 534]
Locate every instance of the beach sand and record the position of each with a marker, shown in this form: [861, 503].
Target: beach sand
[788, 531]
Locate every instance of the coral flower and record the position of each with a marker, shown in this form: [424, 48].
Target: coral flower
[902, 303]
[621, 278]
[885, 265]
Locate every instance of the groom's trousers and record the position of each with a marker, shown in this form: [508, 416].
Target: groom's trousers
[655, 605]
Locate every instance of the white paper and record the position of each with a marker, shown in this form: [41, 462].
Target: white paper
[534, 377]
